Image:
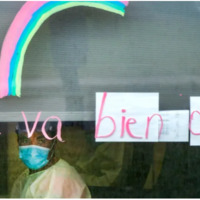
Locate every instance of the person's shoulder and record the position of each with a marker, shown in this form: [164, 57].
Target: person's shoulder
[67, 175]
[62, 164]
[22, 176]
[19, 184]
[64, 168]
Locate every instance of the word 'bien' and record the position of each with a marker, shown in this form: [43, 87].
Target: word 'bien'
[125, 123]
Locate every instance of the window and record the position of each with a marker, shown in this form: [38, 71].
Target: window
[80, 51]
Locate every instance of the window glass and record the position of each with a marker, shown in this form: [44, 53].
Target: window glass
[80, 51]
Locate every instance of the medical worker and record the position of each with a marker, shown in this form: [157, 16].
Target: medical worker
[47, 176]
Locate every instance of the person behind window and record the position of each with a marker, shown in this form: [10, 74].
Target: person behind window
[47, 176]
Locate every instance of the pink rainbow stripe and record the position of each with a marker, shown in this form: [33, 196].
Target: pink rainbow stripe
[11, 39]
[125, 3]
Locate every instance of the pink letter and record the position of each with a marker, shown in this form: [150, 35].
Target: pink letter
[123, 123]
[190, 124]
[100, 118]
[59, 126]
[34, 125]
[131, 121]
[148, 122]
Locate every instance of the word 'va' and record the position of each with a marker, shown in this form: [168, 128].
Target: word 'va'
[30, 133]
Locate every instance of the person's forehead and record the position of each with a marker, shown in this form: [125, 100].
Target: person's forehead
[34, 135]
[21, 126]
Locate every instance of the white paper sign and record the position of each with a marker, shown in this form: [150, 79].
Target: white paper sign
[195, 121]
[175, 126]
[123, 117]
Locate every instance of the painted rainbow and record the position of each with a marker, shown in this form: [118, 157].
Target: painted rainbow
[26, 23]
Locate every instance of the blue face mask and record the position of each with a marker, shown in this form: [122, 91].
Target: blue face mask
[33, 156]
